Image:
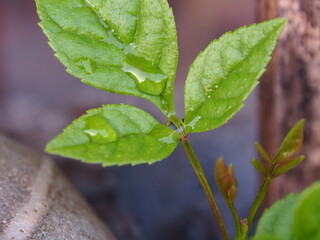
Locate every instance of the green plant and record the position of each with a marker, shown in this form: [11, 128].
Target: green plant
[130, 47]
[295, 217]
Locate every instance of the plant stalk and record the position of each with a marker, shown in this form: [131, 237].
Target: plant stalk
[258, 200]
[236, 219]
[260, 196]
[205, 185]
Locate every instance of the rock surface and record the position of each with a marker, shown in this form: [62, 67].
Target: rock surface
[37, 202]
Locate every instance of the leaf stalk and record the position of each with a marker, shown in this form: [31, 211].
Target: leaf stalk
[236, 219]
[260, 196]
[205, 185]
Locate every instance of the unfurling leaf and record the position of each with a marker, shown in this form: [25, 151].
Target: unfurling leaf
[260, 167]
[115, 135]
[284, 159]
[122, 46]
[291, 144]
[224, 74]
[226, 180]
[262, 152]
[286, 166]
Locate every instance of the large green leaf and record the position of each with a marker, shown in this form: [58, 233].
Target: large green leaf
[115, 135]
[122, 46]
[225, 73]
[265, 237]
[296, 217]
[278, 220]
[306, 223]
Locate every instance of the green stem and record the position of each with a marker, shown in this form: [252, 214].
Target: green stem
[205, 185]
[259, 198]
[236, 219]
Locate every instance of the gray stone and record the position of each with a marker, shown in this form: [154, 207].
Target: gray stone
[37, 202]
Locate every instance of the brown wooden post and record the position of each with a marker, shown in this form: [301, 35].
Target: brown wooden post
[290, 89]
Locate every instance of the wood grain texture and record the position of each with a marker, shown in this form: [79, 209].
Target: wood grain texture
[291, 89]
[37, 202]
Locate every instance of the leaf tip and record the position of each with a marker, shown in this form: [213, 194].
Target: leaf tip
[301, 123]
[48, 147]
[262, 152]
[281, 21]
[259, 166]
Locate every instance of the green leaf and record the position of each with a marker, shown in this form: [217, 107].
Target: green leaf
[122, 46]
[225, 73]
[265, 237]
[262, 152]
[294, 217]
[259, 166]
[306, 223]
[115, 135]
[278, 220]
[286, 166]
[291, 144]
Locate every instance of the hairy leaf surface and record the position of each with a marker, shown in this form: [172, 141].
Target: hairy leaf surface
[122, 46]
[115, 135]
[225, 73]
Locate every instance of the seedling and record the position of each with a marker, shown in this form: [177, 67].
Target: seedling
[130, 47]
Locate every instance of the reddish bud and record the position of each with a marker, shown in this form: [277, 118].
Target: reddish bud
[226, 180]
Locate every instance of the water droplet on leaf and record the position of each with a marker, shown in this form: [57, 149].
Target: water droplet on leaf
[112, 40]
[99, 130]
[193, 122]
[168, 140]
[171, 113]
[148, 77]
[86, 64]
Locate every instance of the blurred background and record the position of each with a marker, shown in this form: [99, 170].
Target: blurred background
[162, 201]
